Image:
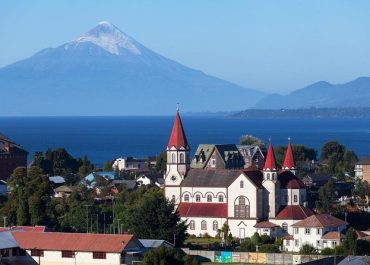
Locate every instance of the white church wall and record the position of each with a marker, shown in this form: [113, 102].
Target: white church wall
[211, 229]
[204, 192]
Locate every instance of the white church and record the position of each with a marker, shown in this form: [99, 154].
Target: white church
[268, 201]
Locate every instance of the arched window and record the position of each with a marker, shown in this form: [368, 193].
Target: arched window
[285, 227]
[186, 197]
[241, 184]
[203, 225]
[197, 198]
[268, 176]
[241, 207]
[192, 225]
[173, 198]
[220, 198]
[182, 158]
[273, 176]
[295, 198]
[173, 160]
[215, 225]
[209, 198]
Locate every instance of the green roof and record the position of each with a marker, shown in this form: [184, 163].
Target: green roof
[202, 155]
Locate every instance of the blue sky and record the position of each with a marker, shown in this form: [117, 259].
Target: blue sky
[275, 46]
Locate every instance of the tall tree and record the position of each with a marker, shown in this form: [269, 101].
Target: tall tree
[325, 203]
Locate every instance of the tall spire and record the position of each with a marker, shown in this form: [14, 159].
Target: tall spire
[289, 162]
[270, 162]
[177, 138]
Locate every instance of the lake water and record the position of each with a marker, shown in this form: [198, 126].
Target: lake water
[105, 138]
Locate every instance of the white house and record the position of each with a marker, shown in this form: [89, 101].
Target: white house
[130, 163]
[77, 248]
[319, 230]
[208, 195]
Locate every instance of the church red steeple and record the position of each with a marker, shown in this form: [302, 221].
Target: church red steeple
[177, 138]
[270, 162]
[289, 162]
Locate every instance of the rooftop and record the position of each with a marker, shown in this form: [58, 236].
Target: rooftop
[202, 210]
[320, 220]
[294, 212]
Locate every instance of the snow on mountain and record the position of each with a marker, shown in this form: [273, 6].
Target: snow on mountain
[108, 37]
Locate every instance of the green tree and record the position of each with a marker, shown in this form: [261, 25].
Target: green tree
[168, 256]
[325, 203]
[153, 217]
[350, 241]
[107, 166]
[85, 168]
[256, 239]
[330, 148]
[307, 249]
[161, 162]
[252, 140]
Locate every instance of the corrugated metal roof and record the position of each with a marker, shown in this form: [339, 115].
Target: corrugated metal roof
[7, 240]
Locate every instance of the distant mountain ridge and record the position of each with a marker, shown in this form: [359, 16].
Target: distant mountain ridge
[322, 94]
[107, 72]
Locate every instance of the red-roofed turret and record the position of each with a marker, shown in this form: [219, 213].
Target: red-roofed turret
[177, 138]
[289, 162]
[270, 162]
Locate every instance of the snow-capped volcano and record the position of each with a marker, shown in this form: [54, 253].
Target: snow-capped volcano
[108, 37]
[106, 72]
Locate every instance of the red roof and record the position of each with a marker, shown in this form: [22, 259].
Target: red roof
[320, 220]
[294, 212]
[177, 138]
[289, 158]
[265, 224]
[270, 162]
[202, 210]
[333, 236]
[38, 229]
[73, 241]
[289, 181]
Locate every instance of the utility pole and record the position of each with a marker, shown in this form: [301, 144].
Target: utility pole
[4, 221]
[87, 218]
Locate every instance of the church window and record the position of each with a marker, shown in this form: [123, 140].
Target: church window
[285, 227]
[215, 225]
[192, 225]
[203, 225]
[241, 184]
[241, 209]
[197, 198]
[182, 158]
[209, 198]
[173, 158]
[268, 176]
[186, 197]
[213, 162]
[220, 198]
[295, 198]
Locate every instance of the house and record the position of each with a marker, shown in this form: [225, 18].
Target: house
[220, 156]
[362, 169]
[147, 179]
[130, 163]
[25, 228]
[108, 175]
[64, 191]
[56, 181]
[252, 155]
[214, 188]
[150, 244]
[319, 230]
[3, 187]
[315, 181]
[12, 155]
[77, 248]
[8, 248]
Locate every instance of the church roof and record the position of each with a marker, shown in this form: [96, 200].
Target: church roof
[177, 138]
[265, 224]
[320, 220]
[289, 162]
[289, 181]
[202, 155]
[294, 212]
[202, 210]
[218, 177]
[270, 162]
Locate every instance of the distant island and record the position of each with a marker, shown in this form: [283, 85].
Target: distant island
[304, 113]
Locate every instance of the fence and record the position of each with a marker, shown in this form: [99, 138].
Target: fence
[260, 258]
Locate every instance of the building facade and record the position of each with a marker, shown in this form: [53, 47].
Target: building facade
[209, 192]
[362, 169]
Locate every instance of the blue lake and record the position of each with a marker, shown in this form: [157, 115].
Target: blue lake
[105, 138]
